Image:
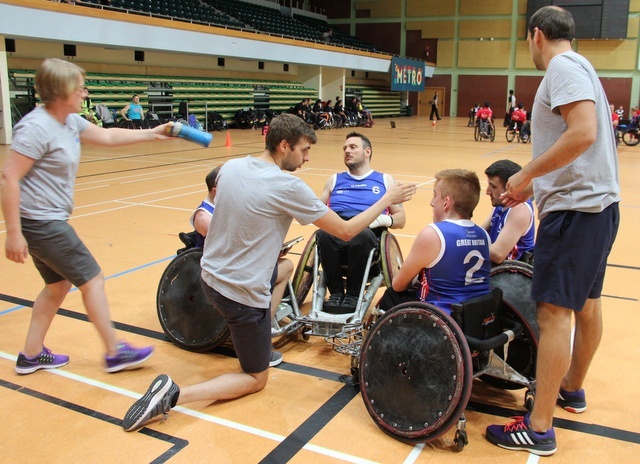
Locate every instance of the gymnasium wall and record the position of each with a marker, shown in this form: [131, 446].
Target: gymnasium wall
[483, 44]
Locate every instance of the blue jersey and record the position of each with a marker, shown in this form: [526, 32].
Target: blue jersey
[134, 111]
[207, 207]
[352, 195]
[525, 243]
[461, 270]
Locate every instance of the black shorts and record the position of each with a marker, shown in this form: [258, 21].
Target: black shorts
[58, 253]
[571, 256]
[250, 330]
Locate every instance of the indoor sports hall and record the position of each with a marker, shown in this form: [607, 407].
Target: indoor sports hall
[131, 203]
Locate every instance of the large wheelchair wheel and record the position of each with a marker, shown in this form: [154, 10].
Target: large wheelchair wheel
[476, 132]
[303, 276]
[631, 137]
[510, 134]
[415, 372]
[390, 257]
[492, 133]
[514, 279]
[185, 314]
[125, 124]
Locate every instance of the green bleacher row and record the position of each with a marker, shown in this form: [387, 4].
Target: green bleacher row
[225, 96]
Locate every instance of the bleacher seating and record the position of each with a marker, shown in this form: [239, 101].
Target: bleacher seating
[238, 15]
[163, 94]
[381, 101]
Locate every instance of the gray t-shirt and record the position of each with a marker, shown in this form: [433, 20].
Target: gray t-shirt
[46, 191]
[255, 204]
[590, 182]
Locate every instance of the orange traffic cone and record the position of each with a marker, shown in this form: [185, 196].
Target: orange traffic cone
[228, 142]
[433, 123]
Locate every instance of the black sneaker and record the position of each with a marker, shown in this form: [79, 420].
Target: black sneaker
[349, 303]
[161, 396]
[519, 436]
[333, 303]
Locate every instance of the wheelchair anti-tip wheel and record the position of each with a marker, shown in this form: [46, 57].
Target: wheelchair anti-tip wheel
[415, 372]
[185, 314]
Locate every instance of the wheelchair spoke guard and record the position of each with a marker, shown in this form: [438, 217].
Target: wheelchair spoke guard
[185, 314]
[415, 372]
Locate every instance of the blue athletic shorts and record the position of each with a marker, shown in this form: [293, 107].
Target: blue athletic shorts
[58, 253]
[571, 256]
[250, 330]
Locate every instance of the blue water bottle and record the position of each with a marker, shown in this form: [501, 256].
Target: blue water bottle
[189, 133]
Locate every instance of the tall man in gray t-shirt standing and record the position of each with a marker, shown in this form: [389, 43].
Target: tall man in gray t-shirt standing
[574, 180]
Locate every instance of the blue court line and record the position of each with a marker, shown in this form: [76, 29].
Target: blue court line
[119, 274]
[495, 152]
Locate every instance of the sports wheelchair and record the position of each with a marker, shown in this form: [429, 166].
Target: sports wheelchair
[520, 132]
[187, 317]
[382, 264]
[416, 364]
[192, 323]
[484, 130]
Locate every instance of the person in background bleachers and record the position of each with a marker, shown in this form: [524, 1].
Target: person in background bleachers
[133, 111]
[365, 112]
[338, 111]
[321, 114]
[328, 108]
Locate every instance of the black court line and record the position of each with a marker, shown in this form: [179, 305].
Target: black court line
[622, 266]
[591, 429]
[291, 445]
[177, 444]
[327, 411]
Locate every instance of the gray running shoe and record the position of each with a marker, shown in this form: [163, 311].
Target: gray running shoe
[161, 396]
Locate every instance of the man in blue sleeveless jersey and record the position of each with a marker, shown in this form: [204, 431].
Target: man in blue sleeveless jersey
[449, 260]
[349, 193]
[201, 218]
[512, 230]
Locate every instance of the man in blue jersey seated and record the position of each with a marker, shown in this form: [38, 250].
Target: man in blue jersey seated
[512, 230]
[349, 193]
[201, 218]
[449, 260]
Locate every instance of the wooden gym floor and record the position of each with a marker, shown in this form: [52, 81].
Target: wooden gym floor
[130, 205]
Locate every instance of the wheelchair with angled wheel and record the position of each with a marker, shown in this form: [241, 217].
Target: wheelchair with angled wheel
[383, 262]
[484, 130]
[416, 363]
[191, 322]
[519, 131]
